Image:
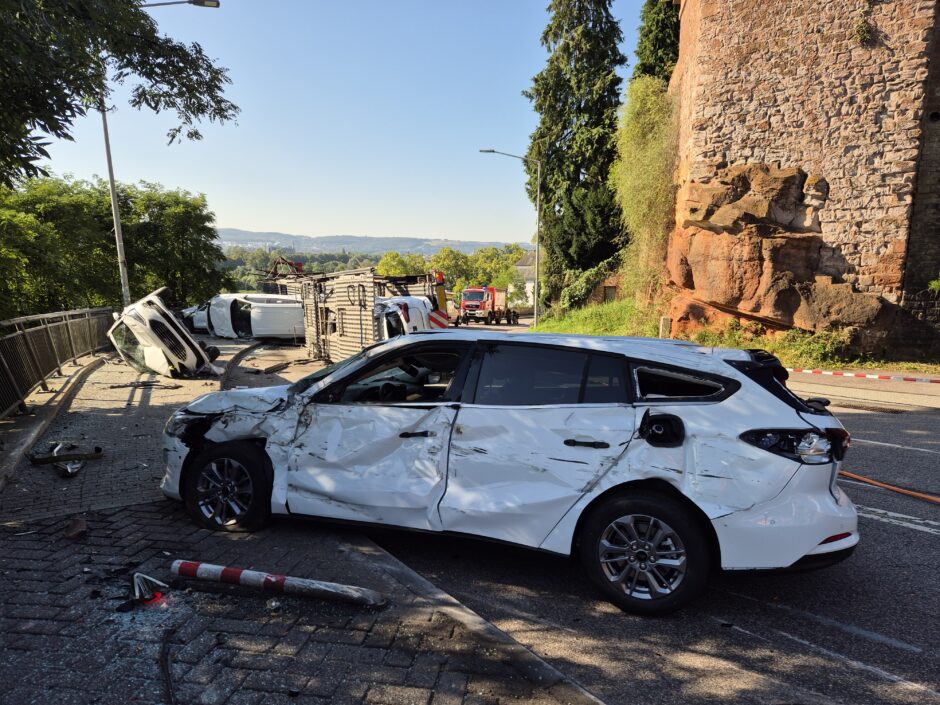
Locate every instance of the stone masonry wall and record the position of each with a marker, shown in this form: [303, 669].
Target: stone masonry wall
[789, 83]
[923, 261]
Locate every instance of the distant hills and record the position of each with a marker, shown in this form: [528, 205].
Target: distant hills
[361, 244]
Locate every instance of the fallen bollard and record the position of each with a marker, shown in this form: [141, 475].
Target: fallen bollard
[271, 582]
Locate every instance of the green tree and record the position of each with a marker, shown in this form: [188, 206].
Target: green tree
[172, 242]
[453, 264]
[576, 96]
[55, 59]
[57, 248]
[657, 47]
[394, 264]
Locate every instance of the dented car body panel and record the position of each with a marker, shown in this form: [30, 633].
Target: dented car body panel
[513, 477]
[424, 432]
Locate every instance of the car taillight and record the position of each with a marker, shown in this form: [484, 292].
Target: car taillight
[802, 445]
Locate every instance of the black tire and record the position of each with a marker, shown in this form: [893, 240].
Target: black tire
[237, 469]
[675, 585]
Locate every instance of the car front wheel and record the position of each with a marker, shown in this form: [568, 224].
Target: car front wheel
[226, 487]
[646, 553]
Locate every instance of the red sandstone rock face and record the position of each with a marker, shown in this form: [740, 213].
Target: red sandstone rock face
[749, 245]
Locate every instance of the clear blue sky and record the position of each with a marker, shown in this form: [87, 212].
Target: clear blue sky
[358, 118]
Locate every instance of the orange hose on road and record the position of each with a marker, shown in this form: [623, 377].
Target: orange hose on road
[876, 483]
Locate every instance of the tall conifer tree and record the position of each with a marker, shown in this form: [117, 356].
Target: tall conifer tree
[657, 47]
[576, 96]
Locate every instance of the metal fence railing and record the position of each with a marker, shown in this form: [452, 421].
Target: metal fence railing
[34, 347]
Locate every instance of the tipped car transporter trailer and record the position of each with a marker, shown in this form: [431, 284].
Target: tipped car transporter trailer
[344, 311]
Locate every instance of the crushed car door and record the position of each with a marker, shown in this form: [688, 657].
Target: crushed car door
[543, 426]
[373, 446]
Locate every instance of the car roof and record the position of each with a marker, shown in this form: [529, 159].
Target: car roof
[668, 351]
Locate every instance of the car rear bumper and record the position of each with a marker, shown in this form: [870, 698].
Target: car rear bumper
[791, 528]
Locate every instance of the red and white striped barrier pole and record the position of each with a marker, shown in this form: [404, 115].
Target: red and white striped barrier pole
[272, 582]
[863, 375]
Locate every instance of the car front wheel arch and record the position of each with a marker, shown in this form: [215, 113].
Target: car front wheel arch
[656, 486]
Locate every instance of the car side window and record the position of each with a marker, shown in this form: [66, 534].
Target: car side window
[606, 381]
[410, 376]
[528, 375]
[658, 383]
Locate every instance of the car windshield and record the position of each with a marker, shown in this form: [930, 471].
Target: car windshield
[130, 348]
[472, 296]
[304, 383]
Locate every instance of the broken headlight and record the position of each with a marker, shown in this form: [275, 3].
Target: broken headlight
[181, 419]
[802, 445]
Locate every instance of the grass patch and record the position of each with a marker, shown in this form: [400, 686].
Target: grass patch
[622, 317]
[795, 348]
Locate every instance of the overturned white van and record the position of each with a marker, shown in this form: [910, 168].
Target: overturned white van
[256, 316]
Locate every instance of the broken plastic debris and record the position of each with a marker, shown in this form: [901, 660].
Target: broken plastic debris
[146, 588]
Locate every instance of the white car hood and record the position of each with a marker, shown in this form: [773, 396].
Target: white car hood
[250, 400]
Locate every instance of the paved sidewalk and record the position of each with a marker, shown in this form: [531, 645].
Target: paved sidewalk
[125, 422]
[63, 640]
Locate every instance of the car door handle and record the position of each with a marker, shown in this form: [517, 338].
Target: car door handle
[416, 434]
[587, 444]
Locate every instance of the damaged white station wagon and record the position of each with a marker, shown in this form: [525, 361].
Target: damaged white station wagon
[652, 461]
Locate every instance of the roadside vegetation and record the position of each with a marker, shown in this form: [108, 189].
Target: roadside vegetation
[57, 245]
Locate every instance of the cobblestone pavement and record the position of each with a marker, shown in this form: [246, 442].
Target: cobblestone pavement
[123, 421]
[64, 641]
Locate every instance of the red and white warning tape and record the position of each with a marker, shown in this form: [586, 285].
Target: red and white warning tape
[272, 582]
[863, 375]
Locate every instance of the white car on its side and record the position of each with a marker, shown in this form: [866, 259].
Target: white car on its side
[150, 339]
[256, 316]
[653, 461]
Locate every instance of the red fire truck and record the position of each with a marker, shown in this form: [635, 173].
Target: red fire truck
[485, 304]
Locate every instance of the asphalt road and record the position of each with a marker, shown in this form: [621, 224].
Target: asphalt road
[864, 631]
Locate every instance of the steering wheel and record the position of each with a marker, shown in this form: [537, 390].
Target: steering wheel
[387, 391]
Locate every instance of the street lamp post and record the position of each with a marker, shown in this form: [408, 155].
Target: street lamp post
[538, 222]
[115, 208]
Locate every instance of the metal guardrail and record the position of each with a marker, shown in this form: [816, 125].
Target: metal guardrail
[34, 347]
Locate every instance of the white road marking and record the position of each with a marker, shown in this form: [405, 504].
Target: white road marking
[895, 445]
[916, 523]
[736, 628]
[862, 666]
[830, 622]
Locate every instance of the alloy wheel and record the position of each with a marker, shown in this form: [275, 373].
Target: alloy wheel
[642, 556]
[224, 491]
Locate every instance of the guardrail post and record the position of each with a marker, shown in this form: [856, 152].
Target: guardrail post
[68, 333]
[55, 350]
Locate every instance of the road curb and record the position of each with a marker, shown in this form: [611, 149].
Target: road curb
[234, 362]
[50, 412]
[562, 687]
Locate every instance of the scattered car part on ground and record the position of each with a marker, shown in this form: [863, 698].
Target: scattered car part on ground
[58, 456]
[256, 316]
[150, 339]
[651, 460]
[273, 582]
